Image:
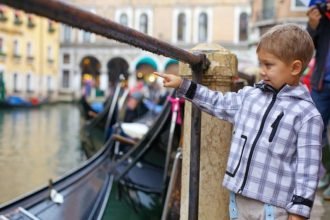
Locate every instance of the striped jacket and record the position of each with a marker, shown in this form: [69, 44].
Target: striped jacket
[276, 142]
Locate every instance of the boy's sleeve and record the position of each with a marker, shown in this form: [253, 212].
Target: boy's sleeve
[213, 102]
[307, 167]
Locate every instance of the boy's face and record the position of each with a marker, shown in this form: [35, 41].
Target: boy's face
[275, 72]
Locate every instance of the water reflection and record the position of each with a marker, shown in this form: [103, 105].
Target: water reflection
[36, 145]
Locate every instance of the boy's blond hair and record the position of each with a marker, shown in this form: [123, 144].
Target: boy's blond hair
[288, 42]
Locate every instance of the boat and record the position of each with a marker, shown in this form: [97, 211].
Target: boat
[107, 179]
[19, 102]
[78, 195]
[93, 132]
[142, 173]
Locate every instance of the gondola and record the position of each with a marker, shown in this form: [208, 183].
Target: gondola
[142, 173]
[78, 195]
[104, 181]
[19, 102]
[93, 131]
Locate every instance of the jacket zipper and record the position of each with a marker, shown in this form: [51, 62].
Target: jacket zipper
[256, 140]
[239, 162]
[274, 126]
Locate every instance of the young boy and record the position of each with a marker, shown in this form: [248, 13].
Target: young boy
[272, 169]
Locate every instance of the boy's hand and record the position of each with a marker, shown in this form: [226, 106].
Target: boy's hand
[295, 217]
[170, 80]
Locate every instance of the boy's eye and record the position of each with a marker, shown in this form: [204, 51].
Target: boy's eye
[265, 64]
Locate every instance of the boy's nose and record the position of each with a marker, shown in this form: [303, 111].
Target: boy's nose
[262, 72]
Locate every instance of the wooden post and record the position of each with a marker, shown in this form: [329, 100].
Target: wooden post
[215, 138]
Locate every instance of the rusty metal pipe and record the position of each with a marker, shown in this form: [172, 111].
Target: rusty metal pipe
[90, 22]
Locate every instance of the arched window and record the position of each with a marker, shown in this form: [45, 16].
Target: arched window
[202, 27]
[123, 19]
[181, 27]
[144, 23]
[243, 27]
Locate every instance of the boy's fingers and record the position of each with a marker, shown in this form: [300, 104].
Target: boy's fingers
[159, 74]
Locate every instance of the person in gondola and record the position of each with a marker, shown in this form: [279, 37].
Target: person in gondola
[136, 129]
[273, 164]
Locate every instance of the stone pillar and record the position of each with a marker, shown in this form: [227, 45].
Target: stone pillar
[215, 138]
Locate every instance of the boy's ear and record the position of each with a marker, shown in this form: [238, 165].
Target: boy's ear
[296, 67]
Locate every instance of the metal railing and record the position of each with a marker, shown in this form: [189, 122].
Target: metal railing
[72, 16]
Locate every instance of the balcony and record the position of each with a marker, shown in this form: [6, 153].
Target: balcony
[50, 60]
[17, 58]
[30, 59]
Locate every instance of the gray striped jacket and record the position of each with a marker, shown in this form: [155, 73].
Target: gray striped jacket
[276, 143]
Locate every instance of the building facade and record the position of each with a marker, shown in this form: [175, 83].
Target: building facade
[267, 13]
[182, 23]
[29, 51]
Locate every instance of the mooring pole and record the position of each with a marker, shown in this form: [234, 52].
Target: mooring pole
[195, 140]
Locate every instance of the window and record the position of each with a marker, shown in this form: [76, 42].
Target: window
[66, 58]
[29, 50]
[268, 9]
[28, 83]
[243, 27]
[17, 18]
[16, 48]
[66, 33]
[202, 27]
[66, 79]
[143, 26]
[15, 82]
[87, 37]
[182, 26]
[123, 19]
[51, 27]
[49, 83]
[30, 22]
[49, 54]
[1, 46]
[3, 16]
[298, 5]
[124, 16]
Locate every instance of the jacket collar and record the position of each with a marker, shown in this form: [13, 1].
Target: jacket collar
[298, 92]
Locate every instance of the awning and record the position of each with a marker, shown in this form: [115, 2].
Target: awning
[146, 61]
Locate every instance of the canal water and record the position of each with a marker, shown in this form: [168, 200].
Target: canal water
[37, 145]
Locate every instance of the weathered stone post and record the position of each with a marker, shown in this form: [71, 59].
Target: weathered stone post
[215, 139]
